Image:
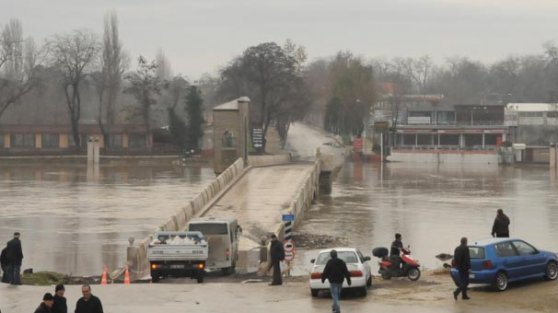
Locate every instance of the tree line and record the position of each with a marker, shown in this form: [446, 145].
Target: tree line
[336, 92]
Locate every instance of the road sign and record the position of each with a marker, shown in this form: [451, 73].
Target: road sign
[289, 246]
[289, 256]
[288, 217]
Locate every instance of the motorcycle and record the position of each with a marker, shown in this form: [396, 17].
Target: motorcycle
[391, 267]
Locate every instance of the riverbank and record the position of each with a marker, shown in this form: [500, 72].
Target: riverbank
[432, 293]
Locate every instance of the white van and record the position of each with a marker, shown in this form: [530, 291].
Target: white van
[222, 236]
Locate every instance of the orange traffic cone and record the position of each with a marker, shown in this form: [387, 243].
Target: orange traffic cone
[126, 276]
[104, 277]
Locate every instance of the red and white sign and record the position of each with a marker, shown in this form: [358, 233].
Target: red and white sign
[290, 250]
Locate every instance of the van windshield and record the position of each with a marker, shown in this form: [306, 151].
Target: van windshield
[210, 228]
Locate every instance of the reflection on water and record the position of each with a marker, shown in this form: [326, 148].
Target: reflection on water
[75, 220]
[433, 207]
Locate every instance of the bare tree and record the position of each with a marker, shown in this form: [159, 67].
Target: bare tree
[163, 66]
[145, 86]
[74, 54]
[18, 65]
[108, 81]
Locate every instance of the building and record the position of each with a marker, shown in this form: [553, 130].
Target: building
[58, 139]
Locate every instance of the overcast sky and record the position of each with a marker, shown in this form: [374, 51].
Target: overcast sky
[200, 36]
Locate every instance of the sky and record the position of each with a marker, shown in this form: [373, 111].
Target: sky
[202, 36]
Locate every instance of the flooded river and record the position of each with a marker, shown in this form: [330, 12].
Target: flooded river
[433, 207]
[75, 220]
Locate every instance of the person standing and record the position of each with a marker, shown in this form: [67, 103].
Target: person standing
[60, 305]
[14, 257]
[277, 254]
[500, 228]
[462, 261]
[336, 271]
[88, 303]
[46, 305]
[4, 264]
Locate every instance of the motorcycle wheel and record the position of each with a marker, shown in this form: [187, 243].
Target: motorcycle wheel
[413, 274]
[386, 275]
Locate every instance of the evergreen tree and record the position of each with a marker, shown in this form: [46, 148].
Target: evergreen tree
[194, 109]
[177, 128]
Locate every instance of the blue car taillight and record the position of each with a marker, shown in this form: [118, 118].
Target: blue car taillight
[487, 264]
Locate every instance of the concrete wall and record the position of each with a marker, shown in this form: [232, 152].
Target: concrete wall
[443, 157]
[264, 160]
[137, 252]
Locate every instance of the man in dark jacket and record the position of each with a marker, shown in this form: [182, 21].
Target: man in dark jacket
[46, 305]
[336, 271]
[277, 254]
[4, 264]
[395, 252]
[500, 228]
[60, 305]
[88, 303]
[462, 261]
[14, 256]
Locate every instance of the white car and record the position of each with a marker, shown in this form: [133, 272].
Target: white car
[357, 264]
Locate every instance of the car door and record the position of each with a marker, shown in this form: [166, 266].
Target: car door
[509, 259]
[365, 265]
[534, 261]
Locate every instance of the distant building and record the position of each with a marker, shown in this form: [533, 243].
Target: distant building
[58, 139]
[535, 123]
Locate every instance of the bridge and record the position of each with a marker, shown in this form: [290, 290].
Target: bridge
[255, 189]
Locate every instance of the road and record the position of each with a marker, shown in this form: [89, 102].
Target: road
[431, 294]
[257, 198]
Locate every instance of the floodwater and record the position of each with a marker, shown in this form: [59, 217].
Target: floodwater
[433, 207]
[75, 220]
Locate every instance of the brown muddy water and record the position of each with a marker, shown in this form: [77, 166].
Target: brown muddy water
[432, 207]
[75, 220]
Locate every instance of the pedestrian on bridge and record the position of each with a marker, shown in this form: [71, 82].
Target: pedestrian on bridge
[277, 254]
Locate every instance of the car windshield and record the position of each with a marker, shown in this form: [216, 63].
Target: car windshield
[347, 256]
[476, 252]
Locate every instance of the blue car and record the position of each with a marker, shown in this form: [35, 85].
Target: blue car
[498, 261]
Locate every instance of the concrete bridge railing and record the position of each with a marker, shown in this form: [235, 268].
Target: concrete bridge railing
[306, 194]
[137, 252]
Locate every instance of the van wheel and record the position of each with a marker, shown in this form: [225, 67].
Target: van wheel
[501, 282]
[551, 272]
[154, 277]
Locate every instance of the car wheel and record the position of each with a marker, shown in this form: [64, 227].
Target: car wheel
[363, 291]
[369, 281]
[501, 282]
[314, 292]
[413, 274]
[551, 272]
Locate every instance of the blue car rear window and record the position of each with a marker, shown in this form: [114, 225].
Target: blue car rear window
[476, 252]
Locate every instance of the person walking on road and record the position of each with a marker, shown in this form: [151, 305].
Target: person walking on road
[277, 254]
[336, 271]
[46, 305]
[14, 257]
[500, 228]
[60, 305]
[462, 261]
[88, 303]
